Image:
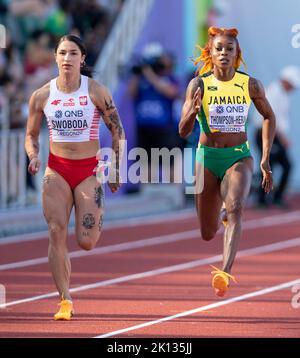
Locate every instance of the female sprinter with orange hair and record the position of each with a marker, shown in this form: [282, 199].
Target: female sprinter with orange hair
[73, 105]
[224, 95]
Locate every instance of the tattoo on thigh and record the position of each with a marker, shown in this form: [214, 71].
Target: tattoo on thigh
[46, 179]
[99, 196]
[100, 222]
[88, 221]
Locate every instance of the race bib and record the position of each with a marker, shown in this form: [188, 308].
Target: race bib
[228, 118]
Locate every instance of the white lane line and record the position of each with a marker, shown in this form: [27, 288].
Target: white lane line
[157, 240]
[111, 225]
[148, 220]
[203, 308]
[168, 269]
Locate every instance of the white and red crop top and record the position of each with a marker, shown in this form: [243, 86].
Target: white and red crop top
[72, 117]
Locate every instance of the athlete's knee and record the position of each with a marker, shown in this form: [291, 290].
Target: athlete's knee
[57, 232]
[234, 208]
[88, 242]
[207, 234]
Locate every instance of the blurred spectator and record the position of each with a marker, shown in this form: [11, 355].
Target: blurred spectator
[39, 62]
[58, 21]
[88, 15]
[28, 16]
[12, 61]
[32, 27]
[11, 77]
[154, 88]
[278, 96]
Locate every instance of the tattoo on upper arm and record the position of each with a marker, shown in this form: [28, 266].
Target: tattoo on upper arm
[256, 88]
[196, 83]
[88, 221]
[109, 104]
[259, 99]
[99, 196]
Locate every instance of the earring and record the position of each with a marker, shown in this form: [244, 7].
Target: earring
[83, 64]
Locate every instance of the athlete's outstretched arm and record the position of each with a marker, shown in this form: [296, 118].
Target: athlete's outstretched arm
[33, 130]
[190, 107]
[257, 94]
[104, 102]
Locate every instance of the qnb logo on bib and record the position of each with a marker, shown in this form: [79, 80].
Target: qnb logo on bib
[58, 114]
[68, 114]
[228, 118]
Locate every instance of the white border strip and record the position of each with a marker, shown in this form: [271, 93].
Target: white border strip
[203, 308]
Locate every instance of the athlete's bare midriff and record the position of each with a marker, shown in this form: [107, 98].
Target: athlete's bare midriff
[222, 140]
[73, 150]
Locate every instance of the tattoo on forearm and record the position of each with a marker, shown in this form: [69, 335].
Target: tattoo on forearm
[88, 221]
[109, 126]
[85, 233]
[99, 196]
[117, 150]
[109, 104]
[100, 223]
[115, 122]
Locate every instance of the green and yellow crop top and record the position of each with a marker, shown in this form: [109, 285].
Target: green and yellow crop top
[225, 104]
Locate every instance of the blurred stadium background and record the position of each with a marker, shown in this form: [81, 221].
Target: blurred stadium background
[115, 32]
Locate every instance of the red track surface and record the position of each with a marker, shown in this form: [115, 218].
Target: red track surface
[140, 300]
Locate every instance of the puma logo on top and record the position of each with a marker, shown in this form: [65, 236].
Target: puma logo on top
[241, 86]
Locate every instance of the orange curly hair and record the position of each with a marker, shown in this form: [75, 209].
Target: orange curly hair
[205, 56]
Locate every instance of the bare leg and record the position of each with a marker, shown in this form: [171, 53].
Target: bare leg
[57, 205]
[208, 203]
[89, 210]
[235, 188]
